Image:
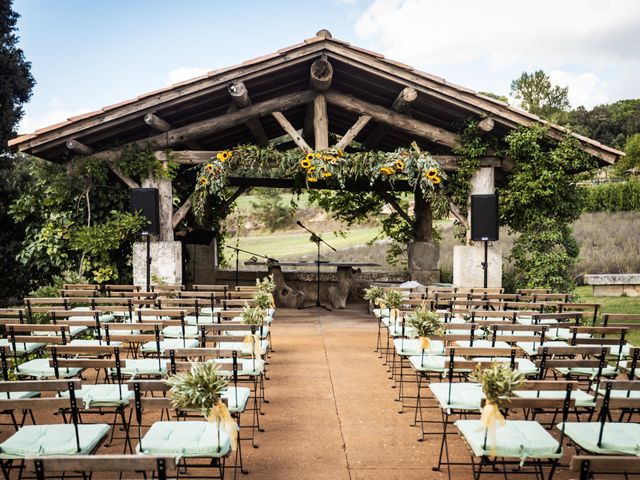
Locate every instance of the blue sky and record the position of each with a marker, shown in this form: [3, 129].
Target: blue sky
[89, 53]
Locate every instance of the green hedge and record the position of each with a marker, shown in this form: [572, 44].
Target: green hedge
[613, 197]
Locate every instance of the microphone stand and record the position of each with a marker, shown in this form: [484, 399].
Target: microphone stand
[238, 250]
[317, 239]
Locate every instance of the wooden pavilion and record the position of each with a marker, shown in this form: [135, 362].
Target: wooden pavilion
[297, 96]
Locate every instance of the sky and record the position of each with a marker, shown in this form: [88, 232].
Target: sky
[86, 54]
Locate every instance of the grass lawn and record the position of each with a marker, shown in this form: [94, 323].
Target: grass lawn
[292, 245]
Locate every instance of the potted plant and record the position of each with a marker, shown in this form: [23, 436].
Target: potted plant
[498, 383]
[373, 295]
[427, 323]
[393, 300]
[264, 294]
[201, 389]
[253, 316]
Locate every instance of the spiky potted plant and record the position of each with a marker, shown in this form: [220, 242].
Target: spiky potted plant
[498, 382]
[426, 323]
[201, 389]
[264, 291]
[393, 300]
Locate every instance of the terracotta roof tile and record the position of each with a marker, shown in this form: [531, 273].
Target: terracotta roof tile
[154, 92]
[368, 52]
[84, 115]
[119, 104]
[51, 127]
[291, 47]
[261, 59]
[189, 81]
[21, 139]
[397, 64]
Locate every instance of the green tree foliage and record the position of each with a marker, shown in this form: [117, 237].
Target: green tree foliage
[631, 161]
[610, 124]
[16, 84]
[16, 81]
[613, 197]
[540, 202]
[270, 209]
[537, 95]
[495, 96]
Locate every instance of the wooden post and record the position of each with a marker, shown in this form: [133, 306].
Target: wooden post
[402, 104]
[165, 201]
[320, 123]
[321, 75]
[424, 218]
[240, 96]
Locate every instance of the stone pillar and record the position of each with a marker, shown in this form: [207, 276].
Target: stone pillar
[166, 254]
[423, 251]
[467, 259]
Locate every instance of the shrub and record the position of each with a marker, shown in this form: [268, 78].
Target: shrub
[612, 197]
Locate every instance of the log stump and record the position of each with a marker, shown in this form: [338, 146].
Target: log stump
[339, 293]
[284, 295]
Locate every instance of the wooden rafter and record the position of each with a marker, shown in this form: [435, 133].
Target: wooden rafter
[402, 104]
[353, 132]
[455, 211]
[234, 196]
[394, 119]
[321, 74]
[82, 149]
[291, 131]
[241, 99]
[161, 125]
[179, 135]
[182, 212]
[390, 199]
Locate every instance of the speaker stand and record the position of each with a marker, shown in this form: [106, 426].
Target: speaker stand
[485, 264]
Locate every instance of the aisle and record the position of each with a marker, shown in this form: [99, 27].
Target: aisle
[332, 413]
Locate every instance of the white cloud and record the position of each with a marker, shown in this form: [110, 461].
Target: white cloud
[184, 73]
[585, 89]
[593, 33]
[30, 123]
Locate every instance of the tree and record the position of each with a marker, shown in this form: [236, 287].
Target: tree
[16, 84]
[495, 96]
[632, 158]
[537, 95]
[16, 81]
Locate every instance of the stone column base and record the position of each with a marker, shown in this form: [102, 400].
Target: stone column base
[423, 262]
[467, 266]
[166, 262]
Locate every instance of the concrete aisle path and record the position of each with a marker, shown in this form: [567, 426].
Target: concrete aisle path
[332, 413]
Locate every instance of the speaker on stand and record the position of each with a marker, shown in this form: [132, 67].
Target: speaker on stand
[145, 202]
[484, 225]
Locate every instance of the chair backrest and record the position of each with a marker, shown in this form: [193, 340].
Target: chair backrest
[531, 291]
[588, 357]
[45, 466]
[589, 310]
[607, 402]
[211, 288]
[590, 465]
[121, 288]
[630, 320]
[84, 357]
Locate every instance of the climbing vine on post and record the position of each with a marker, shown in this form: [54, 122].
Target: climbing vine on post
[540, 202]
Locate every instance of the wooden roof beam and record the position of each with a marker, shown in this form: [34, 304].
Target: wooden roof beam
[393, 119]
[79, 148]
[293, 133]
[402, 104]
[321, 74]
[178, 136]
[320, 123]
[353, 132]
[161, 125]
[240, 97]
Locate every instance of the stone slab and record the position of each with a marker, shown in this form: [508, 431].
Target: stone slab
[166, 262]
[616, 290]
[612, 279]
[467, 266]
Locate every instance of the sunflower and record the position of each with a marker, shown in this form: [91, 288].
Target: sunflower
[326, 174]
[224, 156]
[432, 172]
[399, 164]
[305, 163]
[209, 167]
[329, 158]
[203, 180]
[312, 179]
[311, 169]
[435, 180]
[310, 157]
[340, 152]
[318, 155]
[387, 171]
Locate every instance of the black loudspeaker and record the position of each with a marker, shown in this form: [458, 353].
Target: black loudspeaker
[145, 201]
[484, 218]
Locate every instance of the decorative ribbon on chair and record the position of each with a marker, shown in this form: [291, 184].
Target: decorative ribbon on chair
[252, 342]
[394, 313]
[424, 343]
[491, 419]
[273, 301]
[220, 415]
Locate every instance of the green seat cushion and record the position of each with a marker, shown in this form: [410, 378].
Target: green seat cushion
[432, 363]
[463, 396]
[381, 312]
[39, 368]
[607, 371]
[243, 348]
[209, 310]
[250, 367]
[185, 439]
[617, 438]
[22, 348]
[413, 346]
[395, 330]
[18, 395]
[45, 440]
[103, 395]
[144, 366]
[515, 439]
[523, 365]
[237, 398]
[531, 348]
[175, 331]
[169, 344]
[583, 399]
[91, 343]
[74, 330]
